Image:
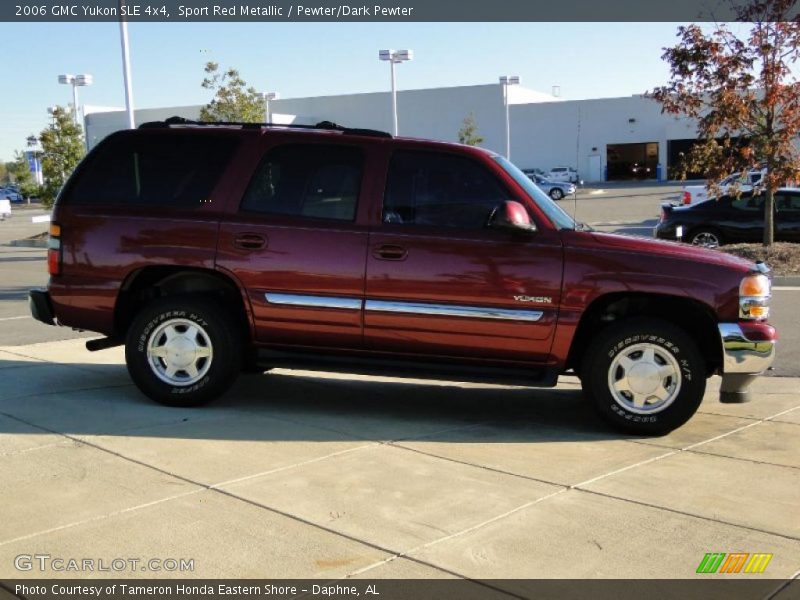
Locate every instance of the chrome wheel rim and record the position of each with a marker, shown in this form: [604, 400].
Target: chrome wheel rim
[556, 194]
[179, 352]
[707, 239]
[644, 379]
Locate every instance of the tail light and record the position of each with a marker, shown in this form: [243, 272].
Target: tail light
[687, 198]
[54, 250]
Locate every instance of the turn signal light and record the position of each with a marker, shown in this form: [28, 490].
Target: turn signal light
[754, 294]
[754, 285]
[54, 250]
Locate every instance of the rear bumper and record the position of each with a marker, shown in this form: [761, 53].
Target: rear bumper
[41, 307]
[748, 350]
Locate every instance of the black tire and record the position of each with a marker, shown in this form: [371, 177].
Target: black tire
[666, 340]
[556, 194]
[220, 331]
[702, 235]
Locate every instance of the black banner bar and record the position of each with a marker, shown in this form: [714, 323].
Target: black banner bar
[712, 588]
[369, 10]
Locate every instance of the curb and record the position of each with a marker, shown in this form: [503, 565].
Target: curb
[28, 243]
[785, 280]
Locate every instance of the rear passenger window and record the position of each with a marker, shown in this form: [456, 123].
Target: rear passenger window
[748, 203]
[307, 180]
[158, 170]
[443, 190]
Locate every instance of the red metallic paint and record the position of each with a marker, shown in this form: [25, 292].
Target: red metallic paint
[104, 245]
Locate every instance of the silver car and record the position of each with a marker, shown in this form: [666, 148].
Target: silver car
[555, 189]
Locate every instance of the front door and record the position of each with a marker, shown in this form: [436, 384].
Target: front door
[440, 283]
[297, 247]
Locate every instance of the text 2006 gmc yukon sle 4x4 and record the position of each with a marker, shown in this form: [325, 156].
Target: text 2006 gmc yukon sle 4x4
[209, 250]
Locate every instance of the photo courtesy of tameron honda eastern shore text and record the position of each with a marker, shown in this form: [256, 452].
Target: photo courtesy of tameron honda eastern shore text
[209, 250]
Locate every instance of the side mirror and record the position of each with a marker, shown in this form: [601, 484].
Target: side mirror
[510, 215]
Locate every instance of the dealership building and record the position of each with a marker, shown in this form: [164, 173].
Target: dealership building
[606, 139]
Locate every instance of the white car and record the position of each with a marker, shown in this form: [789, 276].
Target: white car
[567, 174]
[694, 194]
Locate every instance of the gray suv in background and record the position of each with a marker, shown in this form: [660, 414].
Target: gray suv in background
[555, 189]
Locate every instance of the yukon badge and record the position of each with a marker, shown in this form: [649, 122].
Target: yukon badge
[539, 299]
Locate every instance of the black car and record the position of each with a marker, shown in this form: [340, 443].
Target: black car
[731, 220]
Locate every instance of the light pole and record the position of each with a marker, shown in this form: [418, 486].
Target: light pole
[505, 81]
[266, 97]
[75, 81]
[126, 67]
[394, 57]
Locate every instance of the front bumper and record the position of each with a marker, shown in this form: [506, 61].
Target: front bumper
[41, 307]
[748, 350]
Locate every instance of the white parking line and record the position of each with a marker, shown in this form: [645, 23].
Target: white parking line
[15, 318]
[786, 288]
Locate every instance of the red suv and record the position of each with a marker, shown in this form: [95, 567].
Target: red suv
[212, 249]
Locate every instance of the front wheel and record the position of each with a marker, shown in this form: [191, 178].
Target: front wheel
[556, 194]
[183, 350]
[644, 376]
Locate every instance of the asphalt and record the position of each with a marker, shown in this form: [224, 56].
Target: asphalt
[298, 474]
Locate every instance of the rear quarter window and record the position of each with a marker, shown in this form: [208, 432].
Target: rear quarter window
[155, 170]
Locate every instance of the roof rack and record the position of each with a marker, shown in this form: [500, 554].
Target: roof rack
[322, 125]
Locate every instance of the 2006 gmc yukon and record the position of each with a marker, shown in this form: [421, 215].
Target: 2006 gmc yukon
[209, 250]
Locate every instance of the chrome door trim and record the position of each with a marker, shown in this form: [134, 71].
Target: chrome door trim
[452, 310]
[306, 301]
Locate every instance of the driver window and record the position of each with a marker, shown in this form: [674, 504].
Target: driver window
[441, 190]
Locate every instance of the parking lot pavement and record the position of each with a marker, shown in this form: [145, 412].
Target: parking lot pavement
[297, 474]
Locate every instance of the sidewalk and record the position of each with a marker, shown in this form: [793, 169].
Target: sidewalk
[296, 474]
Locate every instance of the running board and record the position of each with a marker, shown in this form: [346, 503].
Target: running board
[531, 377]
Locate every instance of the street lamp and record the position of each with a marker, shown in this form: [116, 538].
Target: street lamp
[505, 81]
[394, 57]
[266, 97]
[75, 81]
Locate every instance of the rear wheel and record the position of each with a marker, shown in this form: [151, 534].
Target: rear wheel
[706, 237]
[556, 194]
[183, 350]
[644, 376]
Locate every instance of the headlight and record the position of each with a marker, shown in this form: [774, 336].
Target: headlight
[754, 295]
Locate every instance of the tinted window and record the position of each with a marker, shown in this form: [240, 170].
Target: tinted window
[152, 170]
[748, 203]
[786, 201]
[307, 180]
[442, 190]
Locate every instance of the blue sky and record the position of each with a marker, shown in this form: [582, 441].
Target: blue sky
[588, 60]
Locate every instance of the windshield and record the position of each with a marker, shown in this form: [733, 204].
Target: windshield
[553, 211]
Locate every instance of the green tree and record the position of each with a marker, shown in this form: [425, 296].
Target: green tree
[468, 134]
[62, 150]
[741, 90]
[20, 169]
[233, 99]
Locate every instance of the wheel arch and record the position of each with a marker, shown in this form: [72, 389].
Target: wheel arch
[143, 285]
[696, 318]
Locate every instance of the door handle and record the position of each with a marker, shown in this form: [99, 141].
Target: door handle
[390, 252]
[250, 241]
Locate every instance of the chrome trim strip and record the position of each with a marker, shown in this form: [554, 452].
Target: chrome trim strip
[313, 301]
[740, 355]
[453, 310]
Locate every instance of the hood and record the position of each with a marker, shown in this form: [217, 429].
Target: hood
[639, 245]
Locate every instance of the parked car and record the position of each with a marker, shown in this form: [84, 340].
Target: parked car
[10, 194]
[567, 174]
[730, 220]
[5, 209]
[555, 189]
[247, 247]
[695, 194]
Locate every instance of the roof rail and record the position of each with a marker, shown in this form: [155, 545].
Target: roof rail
[322, 125]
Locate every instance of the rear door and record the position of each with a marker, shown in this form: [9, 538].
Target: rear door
[297, 243]
[440, 283]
